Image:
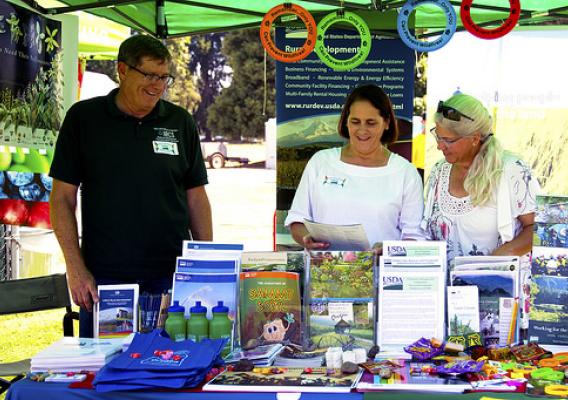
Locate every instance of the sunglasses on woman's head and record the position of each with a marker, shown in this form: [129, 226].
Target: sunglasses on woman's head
[451, 113]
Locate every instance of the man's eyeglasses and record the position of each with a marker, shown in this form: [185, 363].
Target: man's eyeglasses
[446, 141]
[167, 79]
[450, 112]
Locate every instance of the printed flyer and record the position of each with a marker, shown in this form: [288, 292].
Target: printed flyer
[116, 313]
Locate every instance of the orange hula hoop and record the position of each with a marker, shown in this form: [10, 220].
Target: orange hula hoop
[270, 46]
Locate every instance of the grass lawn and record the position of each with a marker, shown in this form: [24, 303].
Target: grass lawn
[23, 335]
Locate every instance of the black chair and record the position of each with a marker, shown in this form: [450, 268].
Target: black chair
[33, 294]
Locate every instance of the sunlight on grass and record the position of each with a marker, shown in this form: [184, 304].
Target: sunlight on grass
[23, 335]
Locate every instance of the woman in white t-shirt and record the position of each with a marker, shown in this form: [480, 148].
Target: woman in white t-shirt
[361, 182]
[480, 199]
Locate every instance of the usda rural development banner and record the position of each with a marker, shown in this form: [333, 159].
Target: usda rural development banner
[30, 110]
[310, 95]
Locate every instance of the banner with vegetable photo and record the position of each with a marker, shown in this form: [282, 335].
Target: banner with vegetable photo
[30, 113]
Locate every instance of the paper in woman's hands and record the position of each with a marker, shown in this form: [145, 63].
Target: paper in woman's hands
[339, 237]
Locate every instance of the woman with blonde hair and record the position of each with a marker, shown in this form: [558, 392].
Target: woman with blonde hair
[480, 198]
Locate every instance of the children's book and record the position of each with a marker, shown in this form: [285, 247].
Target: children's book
[340, 298]
[270, 307]
[284, 380]
[116, 313]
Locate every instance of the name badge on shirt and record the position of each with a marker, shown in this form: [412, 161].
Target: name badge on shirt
[331, 180]
[168, 148]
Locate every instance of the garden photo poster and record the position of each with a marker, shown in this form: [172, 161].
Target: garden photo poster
[31, 103]
[548, 322]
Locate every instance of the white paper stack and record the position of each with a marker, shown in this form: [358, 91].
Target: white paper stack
[72, 354]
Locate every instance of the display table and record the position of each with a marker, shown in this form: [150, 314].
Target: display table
[27, 389]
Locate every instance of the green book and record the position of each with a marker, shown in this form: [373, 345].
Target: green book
[270, 308]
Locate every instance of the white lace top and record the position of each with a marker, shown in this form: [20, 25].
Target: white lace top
[470, 230]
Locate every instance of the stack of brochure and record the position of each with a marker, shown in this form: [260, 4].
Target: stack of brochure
[207, 272]
[72, 354]
[261, 356]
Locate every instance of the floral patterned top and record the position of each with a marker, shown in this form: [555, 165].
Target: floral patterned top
[479, 230]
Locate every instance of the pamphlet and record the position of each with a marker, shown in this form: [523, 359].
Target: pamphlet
[463, 310]
[116, 313]
[206, 265]
[507, 320]
[412, 276]
[495, 277]
[339, 237]
[209, 288]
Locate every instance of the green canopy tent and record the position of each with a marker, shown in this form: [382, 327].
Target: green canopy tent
[165, 19]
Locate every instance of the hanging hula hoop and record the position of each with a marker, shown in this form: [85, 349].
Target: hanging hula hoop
[269, 44]
[483, 33]
[410, 40]
[364, 49]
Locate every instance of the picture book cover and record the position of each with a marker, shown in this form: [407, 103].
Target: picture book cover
[116, 313]
[272, 379]
[340, 299]
[270, 308]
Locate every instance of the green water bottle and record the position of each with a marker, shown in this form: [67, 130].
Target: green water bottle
[175, 323]
[220, 326]
[198, 324]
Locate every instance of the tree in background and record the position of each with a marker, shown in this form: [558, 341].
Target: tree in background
[184, 92]
[107, 67]
[207, 64]
[240, 111]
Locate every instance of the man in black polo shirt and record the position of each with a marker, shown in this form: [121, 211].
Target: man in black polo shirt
[138, 163]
